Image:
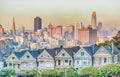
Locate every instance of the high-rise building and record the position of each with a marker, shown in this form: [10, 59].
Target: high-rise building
[13, 27]
[94, 20]
[1, 29]
[87, 35]
[77, 26]
[37, 23]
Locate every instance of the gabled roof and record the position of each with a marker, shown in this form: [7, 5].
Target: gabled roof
[76, 48]
[91, 49]
[19, 54]
[51, 52]
[69, 51]
[35, 53]
[111, 47]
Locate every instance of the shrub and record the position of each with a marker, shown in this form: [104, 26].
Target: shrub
[109, 70]
[89, 71]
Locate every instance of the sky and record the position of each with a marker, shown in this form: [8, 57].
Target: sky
[58, 12]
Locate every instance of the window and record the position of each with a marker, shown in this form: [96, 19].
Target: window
[70, 62]
[59, 62]
[13, 65]
[85, 63]
[41, 62]
[82, 53]
[105, 60]
[10, 64]
[28, 56]
[63, 54]
[66, 61]
[13, 58]
[77, 62]
[18, 65]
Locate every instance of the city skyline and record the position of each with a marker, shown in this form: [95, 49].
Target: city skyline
[58, 12]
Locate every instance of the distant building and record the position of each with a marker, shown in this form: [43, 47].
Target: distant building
[55, 31]
[77, 26]
[87, 35]
[94, 20]
[70, 29]
[37, 23]
[13, 27]
[1, 29]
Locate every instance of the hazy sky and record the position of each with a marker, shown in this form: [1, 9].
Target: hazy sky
[62, 12]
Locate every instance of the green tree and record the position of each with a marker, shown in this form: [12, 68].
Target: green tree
[7, 72]
[109, 70]
[68, 72]
[49, 73]
[116, 40]
[89, 72]
[71, 72]
[33, 72]
[105, 43]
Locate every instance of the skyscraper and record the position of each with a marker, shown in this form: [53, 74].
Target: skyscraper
[13, 27]
[37, 23]
[94, 20]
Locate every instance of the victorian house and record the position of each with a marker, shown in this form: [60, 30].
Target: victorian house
[46, 60]
[64, 57]
[106, 55]
[84, 57]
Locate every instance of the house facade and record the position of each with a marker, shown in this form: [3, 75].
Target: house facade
[106, 55]
[57, 58]
[46, 60]
[84, 57]
[63, 59]
[28, 62]
[13, 62]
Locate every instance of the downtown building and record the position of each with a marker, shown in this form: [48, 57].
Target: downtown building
[37, 24]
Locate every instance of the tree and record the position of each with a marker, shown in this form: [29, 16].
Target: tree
[105, 43]
[110, 70]
[7, 72]
[71, 72]
[49, 73]
[116, 40]
[33, 72]
[89, 72]
[68, 72]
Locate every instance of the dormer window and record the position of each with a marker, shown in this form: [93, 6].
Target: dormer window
[63, 54]
[28, 56]
[13, 58]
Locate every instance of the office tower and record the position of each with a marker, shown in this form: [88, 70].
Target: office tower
[37, 23]
[77, 26]
[94, 20]
[1, 29]
[87, 35]
[13, 27]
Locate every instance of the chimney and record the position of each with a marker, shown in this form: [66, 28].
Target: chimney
[61, 47]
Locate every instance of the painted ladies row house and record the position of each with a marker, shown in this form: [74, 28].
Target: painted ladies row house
[56, 58]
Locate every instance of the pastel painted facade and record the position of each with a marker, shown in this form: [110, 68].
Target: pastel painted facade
[84, 57]
[57, 58]
[45, 60]
[28, 62]
[63, 59]
[14, 62]
[106, 55]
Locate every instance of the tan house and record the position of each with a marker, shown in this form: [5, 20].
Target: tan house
[46, 60]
